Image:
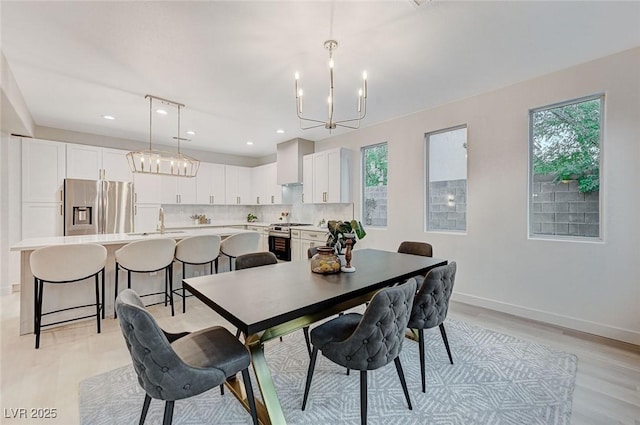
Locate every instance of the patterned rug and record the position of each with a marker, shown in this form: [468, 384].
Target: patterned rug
[496, 379]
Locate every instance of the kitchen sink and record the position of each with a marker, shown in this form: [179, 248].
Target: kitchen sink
[155, 233]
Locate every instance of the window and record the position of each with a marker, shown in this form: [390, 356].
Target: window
[374, 193]
[446, 162]
[564, 190]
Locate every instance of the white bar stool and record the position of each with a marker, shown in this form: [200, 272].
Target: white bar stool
[146, 256]
[196, 250]
[65, 264]
[238, 244]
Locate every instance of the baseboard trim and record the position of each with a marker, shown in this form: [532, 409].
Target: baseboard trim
[619, 334]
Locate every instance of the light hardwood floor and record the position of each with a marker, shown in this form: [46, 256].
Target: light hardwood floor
[607, 382]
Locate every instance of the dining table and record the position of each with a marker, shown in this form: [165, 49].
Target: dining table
[270, 301]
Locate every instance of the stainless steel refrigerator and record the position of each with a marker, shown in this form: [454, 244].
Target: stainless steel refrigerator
[97, 206]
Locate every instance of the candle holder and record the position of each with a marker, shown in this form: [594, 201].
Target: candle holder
[348, 268]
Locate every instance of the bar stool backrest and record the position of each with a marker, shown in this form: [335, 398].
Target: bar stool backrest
[66, 263]
[146, 255]
[198, 249]
[241, 243]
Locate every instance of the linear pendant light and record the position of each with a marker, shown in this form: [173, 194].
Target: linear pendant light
[154, 161]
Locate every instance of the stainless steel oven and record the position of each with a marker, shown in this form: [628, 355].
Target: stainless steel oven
[280, 239]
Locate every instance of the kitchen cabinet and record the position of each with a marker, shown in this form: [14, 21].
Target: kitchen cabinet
[146, 217]
[94, 163]
[43, 170]
[309, 239]
[43, 173]
[210, 184]
[296, 251]
[327, 177]
[264, 235]
[146, 189]
[264, 186]
[237, 185]
[177, 190]
[302, 240]
[41, 219]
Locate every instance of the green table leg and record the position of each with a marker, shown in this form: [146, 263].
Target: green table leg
[274, 415]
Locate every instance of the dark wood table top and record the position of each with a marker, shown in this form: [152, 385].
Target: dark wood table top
[259, 298]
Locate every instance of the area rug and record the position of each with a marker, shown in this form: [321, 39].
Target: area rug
[496, 379]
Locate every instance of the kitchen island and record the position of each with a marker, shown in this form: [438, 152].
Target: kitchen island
[65, 295]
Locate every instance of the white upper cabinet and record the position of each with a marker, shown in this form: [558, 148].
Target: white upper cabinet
[115, 165]
[307, 179]
[177, 190]
[93, 163]
[146, 188]
[238, 185]
[327, 176]
[210, 184]
[43, 170]
[264, 187]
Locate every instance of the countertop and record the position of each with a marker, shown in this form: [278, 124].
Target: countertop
[122, 238]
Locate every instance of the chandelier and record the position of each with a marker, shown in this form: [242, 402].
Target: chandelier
[153, 161]
[330, 124]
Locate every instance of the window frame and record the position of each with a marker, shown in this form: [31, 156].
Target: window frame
[568, 238]
[363, 168]
[426, 181]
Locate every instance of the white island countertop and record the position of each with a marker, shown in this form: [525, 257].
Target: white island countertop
[122, 238]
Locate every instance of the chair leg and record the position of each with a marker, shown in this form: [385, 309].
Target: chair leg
[307, 339]
[104, 295]
[145, 409]
[422, 364]
[39, 292]
[184, 299]
[249, 390]
[238, 334]
[98, 300]
[216, 261]
[166, 286]
[222, 389]
[402, 381]
[115, 312]
[169, 273]
[307, 385]
[363, 397]
[168, 413]
[446, 341]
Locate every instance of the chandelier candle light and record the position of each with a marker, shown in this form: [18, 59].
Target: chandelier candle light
[153, 161]
[330, 124]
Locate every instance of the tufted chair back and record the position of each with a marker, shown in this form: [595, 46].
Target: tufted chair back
[377, 340]
[431, 303]
[255, 259]
[161, 373]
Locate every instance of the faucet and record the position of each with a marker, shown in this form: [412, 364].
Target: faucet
[161, 227]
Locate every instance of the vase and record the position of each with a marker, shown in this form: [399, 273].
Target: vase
[325, 261]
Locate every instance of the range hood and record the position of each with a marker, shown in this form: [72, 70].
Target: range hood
[289, 159]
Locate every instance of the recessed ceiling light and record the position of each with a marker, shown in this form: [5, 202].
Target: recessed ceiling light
[108, 117]
[249, 143]
[161, 111]
[191, 132]
[280, 131]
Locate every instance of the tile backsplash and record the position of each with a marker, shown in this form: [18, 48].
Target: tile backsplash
[292, 203]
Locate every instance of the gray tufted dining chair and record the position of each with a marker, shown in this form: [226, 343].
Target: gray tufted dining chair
[430, 307]
[255, 259]
[368, 341]
[173, 367]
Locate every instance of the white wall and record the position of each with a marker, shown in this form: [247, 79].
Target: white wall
[589, 286]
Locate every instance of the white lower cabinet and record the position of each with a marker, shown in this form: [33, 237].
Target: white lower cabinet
[295, 246]
[41, 220]
[264, 236]
[302, 240]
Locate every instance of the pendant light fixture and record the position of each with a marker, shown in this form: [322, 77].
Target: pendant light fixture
[153, 161]
[330, 124]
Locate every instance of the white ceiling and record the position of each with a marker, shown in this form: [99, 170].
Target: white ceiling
[232, 63]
